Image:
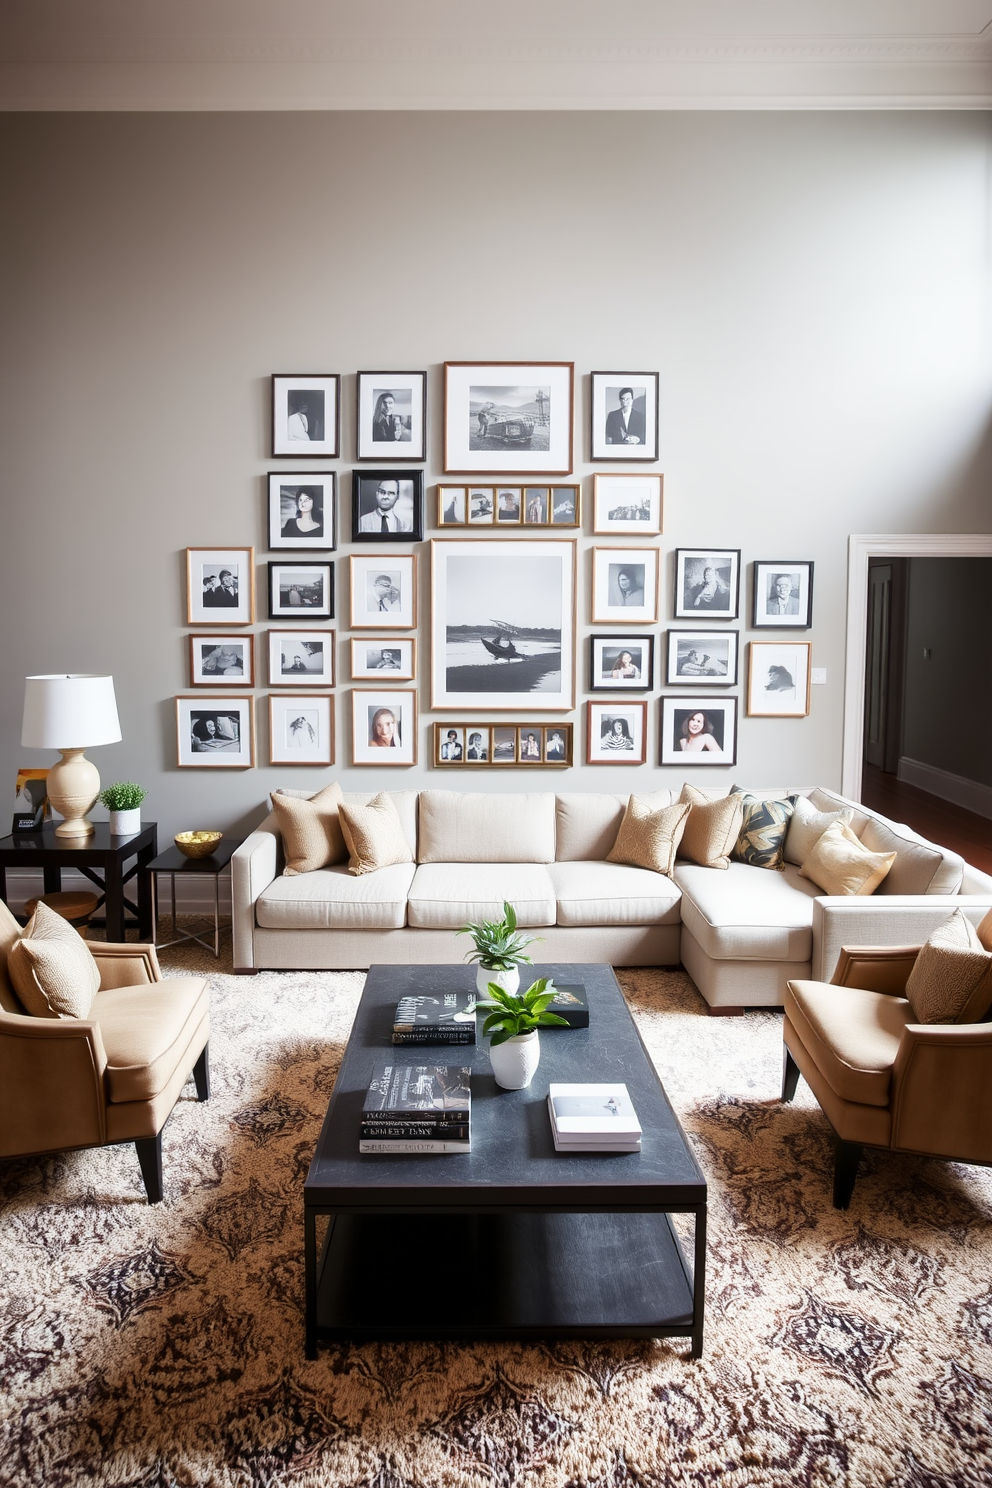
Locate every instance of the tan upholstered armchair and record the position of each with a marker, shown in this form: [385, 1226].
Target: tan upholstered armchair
[111, 1077]
[881, 1079]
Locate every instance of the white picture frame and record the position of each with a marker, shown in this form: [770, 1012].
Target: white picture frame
[713, 743]
[625, 586]
[628, 504]
[301, 729]
[216, 733]
[509, 418]
[306, 415]
[383, 590]
[371, 727]
[301, 658]
[381, 658]
[391, 412]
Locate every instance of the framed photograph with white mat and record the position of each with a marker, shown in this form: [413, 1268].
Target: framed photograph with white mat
[301, 589]
[778, 679]
[508, 418]
[707, 583]
[783, 595]
[616, 733]
[301, 729]
[383, 726]
[301, 658]
[220, 586]
[383, 591]
[702, 658]
[624, 422]
[627, 504]
[221, 660]
[621, 663]
[302, 512]
[384, 658]
[392, 415]
[625, 586]
[698, 730]
[216, 733]
[306, 415]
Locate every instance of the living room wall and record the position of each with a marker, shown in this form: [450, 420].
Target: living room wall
[814, 290]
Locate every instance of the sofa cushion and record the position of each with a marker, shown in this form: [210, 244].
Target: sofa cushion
[52, 968]
[852, 1035]
[613, 894]
[839, 864]
[333, 899]
[446, 896]
[469, 826]
[146, 1031]
[374, 836]
[712, 828]
[951, 979]
[747, 914]
[920, 866]
[587, 823]
[649, 837]
[828, 800]
[764, 825]
[310, 829]
[807, 825]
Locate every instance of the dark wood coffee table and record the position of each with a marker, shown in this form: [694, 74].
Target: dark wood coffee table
[512, 1240]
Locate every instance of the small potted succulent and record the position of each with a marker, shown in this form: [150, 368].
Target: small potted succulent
[500, 950]
[123, 801]
[513, 1022]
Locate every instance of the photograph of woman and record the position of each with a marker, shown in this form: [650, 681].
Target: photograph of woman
[384, 729]
[615, 734]
[303, 513]
[697, 733]
[624, 668]
[627, 580]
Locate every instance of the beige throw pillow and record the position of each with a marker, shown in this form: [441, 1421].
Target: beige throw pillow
[52, 968]
[951, 981]
[374, 835]
[711, 829]
[807, 826]
[649, 837]
[839, 864]
[310, 829]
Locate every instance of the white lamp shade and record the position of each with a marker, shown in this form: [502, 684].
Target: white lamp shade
[69, 712]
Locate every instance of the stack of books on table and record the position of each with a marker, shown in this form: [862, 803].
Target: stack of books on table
[435, 1018]
[593, 1118]
[417, 1109]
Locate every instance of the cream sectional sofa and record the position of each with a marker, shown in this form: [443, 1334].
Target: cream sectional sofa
[741, 933]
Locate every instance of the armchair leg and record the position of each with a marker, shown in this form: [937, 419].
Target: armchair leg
[845, 1172]
[201, 1074]
[149, 1151]
[790, 1074]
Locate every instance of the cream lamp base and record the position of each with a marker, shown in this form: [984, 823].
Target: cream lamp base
[73, 790]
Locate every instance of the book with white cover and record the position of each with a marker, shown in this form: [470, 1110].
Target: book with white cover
[603, 1113]
[593, 1144]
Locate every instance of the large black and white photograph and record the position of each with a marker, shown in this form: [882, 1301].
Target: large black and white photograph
[301, 729]
[395, 656]
[778, 679]
[215, 732]
[387, 506]
[627, 504]
[616, 733]
[383, 591]
[625, 586]
[707, 582]
[621, 663]
[502, 624]
[383, 727]
[508, 418]
[301, 512]
[306, 414]
[221, 660]
[301, 658]
[707, 655]
[702, 730]
[783, 595]
[220, 586]
[624, 422]
[392, 415]
[301, 589]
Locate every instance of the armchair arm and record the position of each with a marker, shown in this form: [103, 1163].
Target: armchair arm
[123, 965]
[875, 968]
[882, 920]
[942, 1091]
[253, 867]
[51, 1084]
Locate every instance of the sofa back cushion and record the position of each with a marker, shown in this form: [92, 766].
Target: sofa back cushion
[587, 823]
[485, 827]
[921, 867]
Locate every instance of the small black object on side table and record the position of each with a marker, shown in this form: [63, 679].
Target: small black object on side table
[98, 852]
[174, 862]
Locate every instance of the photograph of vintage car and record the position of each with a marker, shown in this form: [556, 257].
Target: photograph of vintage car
[503, 418]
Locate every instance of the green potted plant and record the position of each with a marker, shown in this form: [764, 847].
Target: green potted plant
[513, 1021]
[123, 801]
[500, 950]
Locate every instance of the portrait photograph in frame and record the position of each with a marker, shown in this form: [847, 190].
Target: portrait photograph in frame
[387, 506]
[627, 505]
[301, 589]
[616, 733]
[302, 512]
[698, 731]
[478, 743]
[452, 506]
[301, 729]
[778, 679]
[503, 624]
[220, 586]
[481, 506]
[374, 656]
[383, 591]
[707, 583]
[220, 660]
[383, 727]
[392, 416]
[508, 418]
[449, 744]
[301, 658]
[705, 658]
[509, 504]
[621, 663]
[215, 732]
[624, 420]
[625, 586]
[306, 415]
[783, 595]
[530, 744]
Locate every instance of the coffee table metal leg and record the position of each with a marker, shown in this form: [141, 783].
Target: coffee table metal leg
[699, 1283]
[217, 914]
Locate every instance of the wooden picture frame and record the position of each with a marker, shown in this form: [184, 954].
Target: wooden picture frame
[302, 510]
[616, 732]
[393, 497]
[301, 729]
[509, 418]
[221, 659]
[301, 658]
[383, 591]
[716, 735]
[778, 679]
[628, 504]
[541, 506]
[306, 415]
[624, 416]
[301, 590]
[220, 586]
[383, 658]
[391, 416]
[216, 733]
[383, 726]
[625, 586]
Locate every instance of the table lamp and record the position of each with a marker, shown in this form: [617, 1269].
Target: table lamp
[71, 713]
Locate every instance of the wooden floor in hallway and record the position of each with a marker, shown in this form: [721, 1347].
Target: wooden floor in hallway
[952, 826]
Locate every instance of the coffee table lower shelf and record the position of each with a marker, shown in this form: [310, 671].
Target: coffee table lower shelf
[500, 1276]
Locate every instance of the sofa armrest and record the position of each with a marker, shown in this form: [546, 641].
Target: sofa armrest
[942, 1091]
[882, 920]
[253, 867]
[125, 965]
[51, 1084]
[875, 968]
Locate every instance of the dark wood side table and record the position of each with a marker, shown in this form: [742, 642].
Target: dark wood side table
[97, 853]
[173, 862]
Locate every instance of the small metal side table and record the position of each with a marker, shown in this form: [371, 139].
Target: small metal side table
[175, 863]
[99, 852]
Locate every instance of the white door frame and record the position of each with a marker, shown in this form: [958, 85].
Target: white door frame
[882, 545]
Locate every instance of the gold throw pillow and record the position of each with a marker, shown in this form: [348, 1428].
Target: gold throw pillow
[711, 829]
[951, 980]
[374, 834]
[310, 829]
[840, 864]
[52, 968]
[649, 837]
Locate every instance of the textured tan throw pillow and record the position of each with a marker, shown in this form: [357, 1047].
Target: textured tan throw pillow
[648, 837]
[310, 829]
[839, 864]
[374, 835]
[951, 981]
[52, 968]
[807, 826]
[711, 829]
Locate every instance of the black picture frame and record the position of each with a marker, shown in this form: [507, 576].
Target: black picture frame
[796, 611]
[610, 421]
[697, 598]
[303, 577]
[608, 673]
[306, 415]
[408, 507]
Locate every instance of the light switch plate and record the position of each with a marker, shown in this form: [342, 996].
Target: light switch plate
[818, 676]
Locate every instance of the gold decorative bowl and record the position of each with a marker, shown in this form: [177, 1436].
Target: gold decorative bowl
[197, 844]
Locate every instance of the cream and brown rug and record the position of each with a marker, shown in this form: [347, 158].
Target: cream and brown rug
[156, 1347]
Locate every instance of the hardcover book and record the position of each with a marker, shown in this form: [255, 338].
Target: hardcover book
[430, 1097]
[571, 1004]
[602, 1113]
[435, 1018]
[404, 1147]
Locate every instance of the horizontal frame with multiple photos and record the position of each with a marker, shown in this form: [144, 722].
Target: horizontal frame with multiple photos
[524, 744]
[707, 583]
[221, 660]
[302, 513]
[383, 591]
[616, 733]
[508, 418]
[306, 415]
[627, 504]
[624, 422]
[215, 733]
[625, 586]
[301, 658]
[706, 658]
[301, 589]
[621, 663]
[301, 729]
[508, 506]
[698, 730]
[778, 679]
[383, 726]
[782, 595]
[392, 416]
[395, 497]
[394, 656]
[220, 586]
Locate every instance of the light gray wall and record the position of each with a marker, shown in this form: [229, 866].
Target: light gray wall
[814, 290]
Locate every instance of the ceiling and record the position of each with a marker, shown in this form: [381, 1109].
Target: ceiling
[495, 54]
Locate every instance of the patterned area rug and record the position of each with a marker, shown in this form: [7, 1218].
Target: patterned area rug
[155, 1347]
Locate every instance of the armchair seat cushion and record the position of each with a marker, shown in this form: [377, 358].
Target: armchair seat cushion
[146, 1033]
[852, 1035]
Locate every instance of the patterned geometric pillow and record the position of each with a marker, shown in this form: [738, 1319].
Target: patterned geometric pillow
[763, 830]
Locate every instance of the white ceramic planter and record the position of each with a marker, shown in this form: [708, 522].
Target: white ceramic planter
[508, 980]
[125, 823]
[515, 1061]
